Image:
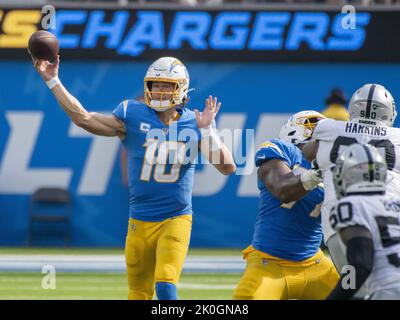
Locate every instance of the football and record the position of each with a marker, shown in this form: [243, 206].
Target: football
[43, 45]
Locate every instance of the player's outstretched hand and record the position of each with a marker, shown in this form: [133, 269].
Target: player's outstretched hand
[205, 119]
[46, 69]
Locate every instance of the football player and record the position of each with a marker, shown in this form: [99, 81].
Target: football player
[372, 114]
[368, 223]
[157, 135]
[284, 260]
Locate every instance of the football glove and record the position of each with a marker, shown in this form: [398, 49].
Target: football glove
[310, 179]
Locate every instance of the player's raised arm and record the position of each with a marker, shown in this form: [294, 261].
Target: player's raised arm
[213, 148]
[283, 183]
[93, 122]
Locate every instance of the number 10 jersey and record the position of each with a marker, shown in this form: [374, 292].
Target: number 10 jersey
[334, 136]
[161, 161]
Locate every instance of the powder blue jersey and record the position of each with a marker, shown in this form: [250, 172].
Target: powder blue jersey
[160, 161]
[287, 231]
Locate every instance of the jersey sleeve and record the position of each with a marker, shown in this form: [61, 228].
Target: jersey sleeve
[350, 212]
[275, 149]
[121, 110]
[324, 129]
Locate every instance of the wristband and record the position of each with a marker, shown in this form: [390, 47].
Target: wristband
[53, 82]
[207, 133]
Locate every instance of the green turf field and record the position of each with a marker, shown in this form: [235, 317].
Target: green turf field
[71, 285]
[109, 286]
[90, 251]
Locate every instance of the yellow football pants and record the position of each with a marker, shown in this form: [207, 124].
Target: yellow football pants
[155, 252]
[270, 278]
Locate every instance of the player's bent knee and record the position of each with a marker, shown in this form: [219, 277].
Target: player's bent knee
[137, 295]
[167, 273]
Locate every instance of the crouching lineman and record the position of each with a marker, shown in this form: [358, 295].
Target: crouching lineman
[284, 260]
[368, 222]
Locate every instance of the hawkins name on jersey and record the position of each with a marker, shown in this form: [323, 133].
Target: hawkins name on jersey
[354, 127]
[334, 136]
[380, 214]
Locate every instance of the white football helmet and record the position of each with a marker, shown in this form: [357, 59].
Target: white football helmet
[171, 70]
[359, 169]
[300, 126]
[374, 103]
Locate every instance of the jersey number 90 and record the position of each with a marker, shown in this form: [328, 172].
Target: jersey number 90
[381, 144]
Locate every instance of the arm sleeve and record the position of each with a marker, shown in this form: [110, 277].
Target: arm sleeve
[275, 149]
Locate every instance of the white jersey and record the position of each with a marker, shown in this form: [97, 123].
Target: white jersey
[334, 136]
[380, 214]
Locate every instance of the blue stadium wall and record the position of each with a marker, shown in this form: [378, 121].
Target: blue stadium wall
[40, 146]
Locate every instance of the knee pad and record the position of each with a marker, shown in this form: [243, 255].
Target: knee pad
[166, 273]
[137, 295]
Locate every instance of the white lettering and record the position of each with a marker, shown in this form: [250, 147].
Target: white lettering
[15, 175]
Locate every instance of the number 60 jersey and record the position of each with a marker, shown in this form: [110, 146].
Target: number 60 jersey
[334, 136]
[380, 214]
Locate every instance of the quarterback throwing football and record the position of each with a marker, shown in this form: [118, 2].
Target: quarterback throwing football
[157, 135]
